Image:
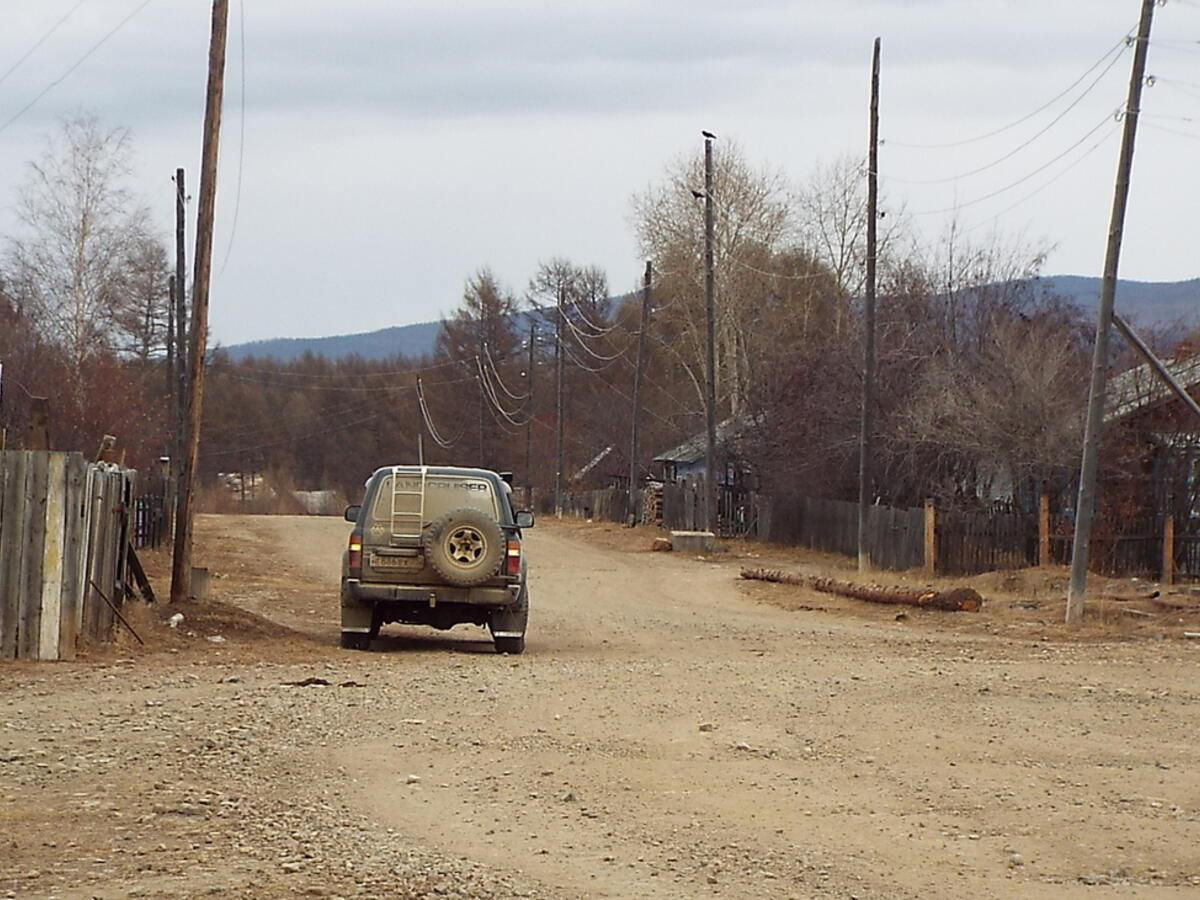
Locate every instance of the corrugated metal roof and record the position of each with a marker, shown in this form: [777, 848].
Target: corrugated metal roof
[1138, 388]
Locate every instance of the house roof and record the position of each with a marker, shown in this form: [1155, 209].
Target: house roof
[1139, 388]
[695, 448]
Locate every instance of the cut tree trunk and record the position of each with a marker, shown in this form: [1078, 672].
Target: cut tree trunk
[954, 600]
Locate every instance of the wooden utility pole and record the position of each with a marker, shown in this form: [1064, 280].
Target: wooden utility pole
[710, 328]
[868, 385]
[631, 506]
[529, 417]
[171, 347]
[182, 338]
[558, 417]
[181, 571]
[1085, 509]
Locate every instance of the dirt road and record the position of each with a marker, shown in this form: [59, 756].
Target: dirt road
[670, 732]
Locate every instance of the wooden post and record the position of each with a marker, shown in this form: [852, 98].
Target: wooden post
[39, 424]
[930, 538]
[1044, 530]
[181, 569]
[1168, 550]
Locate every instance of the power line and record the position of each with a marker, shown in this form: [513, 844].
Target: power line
[63, 77]
[496, 372]
[387, 373]
[1096, 146]
[428, 419]
[1011, 153]
[1019, 181]
[325, 429]
[45, 37]
[237, 199]
[1122, 43]
[581, 338]
[365, 388]
[1174, 131]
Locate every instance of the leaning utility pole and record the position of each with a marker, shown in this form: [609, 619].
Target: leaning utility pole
[529, 417]
[710, 317]
[182, 337]
[1085, 509]
[868, 385]
[558, 417]
[630, 506]
[181, 571]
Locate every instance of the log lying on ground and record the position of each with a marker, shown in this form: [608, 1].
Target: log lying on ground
[956, 600]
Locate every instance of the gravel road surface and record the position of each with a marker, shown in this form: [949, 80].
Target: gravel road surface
[670, 732]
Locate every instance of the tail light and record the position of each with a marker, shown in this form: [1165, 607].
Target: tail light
[354, 559]
[512, 562]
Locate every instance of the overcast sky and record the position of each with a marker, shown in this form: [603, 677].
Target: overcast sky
[392, 148]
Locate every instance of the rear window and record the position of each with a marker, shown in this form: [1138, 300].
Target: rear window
[442, 494]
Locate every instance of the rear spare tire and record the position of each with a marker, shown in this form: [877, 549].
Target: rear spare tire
[465, 546]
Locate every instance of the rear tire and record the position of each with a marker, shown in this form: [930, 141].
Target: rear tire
[355, 640]
[511, 621]
[465, 546]
[513, 645]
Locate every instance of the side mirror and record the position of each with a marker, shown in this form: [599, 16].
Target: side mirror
[524, 519]
[351, 513]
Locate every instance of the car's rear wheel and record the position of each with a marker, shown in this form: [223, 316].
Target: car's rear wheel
[465, 546]
[356, 640]
[508, 625]
[513, 645]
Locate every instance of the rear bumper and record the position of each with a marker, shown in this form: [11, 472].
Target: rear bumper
[355, 592]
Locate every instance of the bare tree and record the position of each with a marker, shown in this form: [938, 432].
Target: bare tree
[141, 315]
[753, 225]
[81, 230]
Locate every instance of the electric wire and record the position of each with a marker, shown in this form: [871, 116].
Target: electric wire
[496, 373]
[277, 424]
[600, 330]
[1019, 181]
[1174, 131]
[237, 197]
[428, 419]
[581, 339]
[387, 373]
[1011, 153]
[1096, 146]
[490, 392]
[45, 37]
[325, 429]
[367, 388]
[582, 365]
[63, 77]
[1116, 48]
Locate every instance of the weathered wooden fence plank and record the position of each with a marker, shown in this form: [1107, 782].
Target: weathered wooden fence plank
[12, 499]
[53, 545]
[30, 619]
[73, 562]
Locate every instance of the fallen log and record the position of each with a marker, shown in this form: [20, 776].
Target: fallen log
[955, 600]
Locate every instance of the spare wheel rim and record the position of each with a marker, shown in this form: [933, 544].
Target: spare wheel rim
[465, 546]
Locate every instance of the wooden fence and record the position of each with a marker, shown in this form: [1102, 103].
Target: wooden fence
[606, 504]
[943, 542]
[64, 530]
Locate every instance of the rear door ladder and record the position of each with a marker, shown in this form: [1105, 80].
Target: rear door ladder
[408, 508]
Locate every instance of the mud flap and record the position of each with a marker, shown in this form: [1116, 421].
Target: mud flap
[356, 615]
[511, 621]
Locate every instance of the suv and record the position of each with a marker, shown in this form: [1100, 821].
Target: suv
[435, 545]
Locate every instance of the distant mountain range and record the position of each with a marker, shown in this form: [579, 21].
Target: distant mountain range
[1146, 303]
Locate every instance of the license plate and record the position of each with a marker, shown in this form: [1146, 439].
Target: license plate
[397, 562]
